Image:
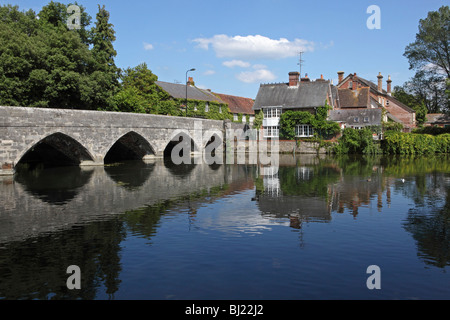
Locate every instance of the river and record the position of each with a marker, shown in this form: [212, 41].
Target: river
[154, 230]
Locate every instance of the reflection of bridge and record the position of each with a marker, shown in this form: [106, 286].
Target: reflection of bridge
[32, 204]
[93, 137]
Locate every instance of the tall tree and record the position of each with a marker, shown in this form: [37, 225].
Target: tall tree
[429, 55]
[432, 45]
[106, 75]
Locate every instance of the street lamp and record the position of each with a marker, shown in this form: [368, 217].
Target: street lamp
[193, 69]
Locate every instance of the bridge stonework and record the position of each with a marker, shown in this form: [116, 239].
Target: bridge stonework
[89, 135]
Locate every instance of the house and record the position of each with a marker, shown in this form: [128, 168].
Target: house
[437, 120]
[239, 106]
[180, 91]
[367, 94]
[356, 118]
[297, 95]
[235, 105]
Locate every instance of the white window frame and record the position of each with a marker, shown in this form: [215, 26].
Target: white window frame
[207, 107]
[304, 131]
[272, 112]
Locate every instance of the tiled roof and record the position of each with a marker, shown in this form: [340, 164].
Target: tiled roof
[237, 104]
[438, 118]
[178, 91]
[305, 95]
[348, 116]
[359, 98]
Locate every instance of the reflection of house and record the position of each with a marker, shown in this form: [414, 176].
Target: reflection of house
[239, 106]
[437, 120]
[357, 92]
[298, 95]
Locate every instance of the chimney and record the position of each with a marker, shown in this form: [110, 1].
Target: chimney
[305, 79]
[321, 78]
[293, 78]
[190, 81]
[380, 82]
[340, 76]
[389, 81]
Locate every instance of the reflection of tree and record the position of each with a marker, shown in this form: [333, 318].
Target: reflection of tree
[36, 268]
[430, 227]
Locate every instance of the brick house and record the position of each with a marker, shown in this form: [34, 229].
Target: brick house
[367, 94]
[297, 95]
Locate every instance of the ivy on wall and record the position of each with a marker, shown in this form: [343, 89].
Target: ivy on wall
[322, 127]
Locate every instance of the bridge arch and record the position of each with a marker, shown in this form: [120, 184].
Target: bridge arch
[180, 136]
[55, 149]
[130, 146]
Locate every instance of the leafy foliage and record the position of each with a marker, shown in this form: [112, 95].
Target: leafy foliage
[412, 143]
[429, 55]
[322, 127]
[44, 64]
[356, 141]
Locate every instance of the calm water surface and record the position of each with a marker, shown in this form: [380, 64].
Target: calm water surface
[158, 231]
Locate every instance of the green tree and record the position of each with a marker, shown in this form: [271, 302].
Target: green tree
[105, 78]
[139, 92]
[429, 55]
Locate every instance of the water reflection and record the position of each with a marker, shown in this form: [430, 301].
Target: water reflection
[101, 212]
[57, 185]
[130, 174]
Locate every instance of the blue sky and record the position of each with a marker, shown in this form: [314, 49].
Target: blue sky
[237, 45]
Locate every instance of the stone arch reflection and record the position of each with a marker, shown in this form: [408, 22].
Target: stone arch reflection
[57, 185]
[130, 175]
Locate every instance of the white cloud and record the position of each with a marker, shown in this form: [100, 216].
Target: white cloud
[259, 66]
[259, 75]
[254, 46]
[148, 46]
[209, 72]
[236, 63]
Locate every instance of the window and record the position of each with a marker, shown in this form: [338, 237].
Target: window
[272, 112]
[356, 119]
[207, 107]
[235, 117]
[271, 131]
[304, 130]
[366, 119]
[220, 109]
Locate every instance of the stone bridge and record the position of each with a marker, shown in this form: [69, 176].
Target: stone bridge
[95, 137]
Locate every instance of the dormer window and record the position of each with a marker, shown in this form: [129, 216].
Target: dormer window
[356, 119]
